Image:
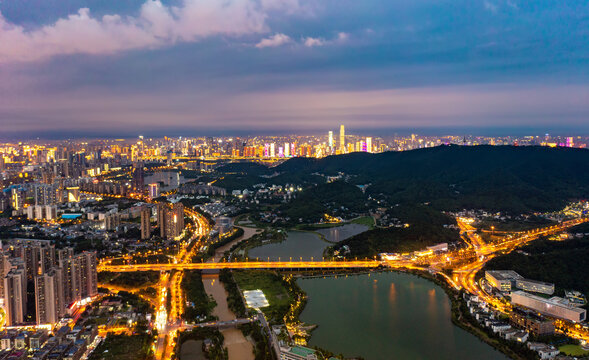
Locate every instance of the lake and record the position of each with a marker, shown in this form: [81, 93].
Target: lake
[305, 244]
[385, 316]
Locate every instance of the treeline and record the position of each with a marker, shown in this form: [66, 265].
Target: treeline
[337, 198]
[200, 303]
[498, 178]
[234, 300]
[426, 228]
[213, 247]
[262, 349]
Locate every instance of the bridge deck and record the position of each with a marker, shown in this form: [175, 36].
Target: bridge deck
[245, 265]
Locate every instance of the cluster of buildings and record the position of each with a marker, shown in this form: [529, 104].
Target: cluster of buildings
[62, 344]
[59, 278]
[506, 281]
[518, 328]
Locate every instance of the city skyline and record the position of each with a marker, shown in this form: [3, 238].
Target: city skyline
[278, 66]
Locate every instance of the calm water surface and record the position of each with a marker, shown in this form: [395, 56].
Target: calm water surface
[297, 244]
[339, 233]
[305, 244]
[387, 316]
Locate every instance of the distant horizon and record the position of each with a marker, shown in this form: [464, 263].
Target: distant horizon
[381, 133]
[121, 68]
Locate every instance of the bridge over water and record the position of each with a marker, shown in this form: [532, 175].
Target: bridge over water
[247, 265]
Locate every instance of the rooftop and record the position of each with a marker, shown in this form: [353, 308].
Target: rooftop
[505, 275]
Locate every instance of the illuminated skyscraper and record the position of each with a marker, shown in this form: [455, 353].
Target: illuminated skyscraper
[342, 139]
[272, 150]
[170, 220]
[154, 190]
[287, 150]
[330, 141]
[369, 144]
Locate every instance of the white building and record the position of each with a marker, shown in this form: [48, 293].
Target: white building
[555, 306]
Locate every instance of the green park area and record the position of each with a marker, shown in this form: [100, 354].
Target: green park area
[573, 350]
[124, 347]
[364, 220]
[274, 288]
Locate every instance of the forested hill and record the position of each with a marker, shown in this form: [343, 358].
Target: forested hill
[506, 178]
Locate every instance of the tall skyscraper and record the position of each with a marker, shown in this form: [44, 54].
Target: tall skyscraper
[272, 150]
[342, 139]
[65, 261]
[85, 268]
[154, 190]
[15, 299]
[138, 177]
[330, 140]
[145, 223]
[369, 144]
[170, 220]
[49, 297]
[161, 218]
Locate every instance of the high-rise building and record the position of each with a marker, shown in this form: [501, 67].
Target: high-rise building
[16, 199]
[170, 219]
[145, 223]
[15, 296]
[272, 150]
[330, 140]
[49, 297]
[138, 177]
[154, 190]
[174, 221]
[85, 269]
[112, 221]
[287, 149]
[65, 261]
[45, 194]
[369, 144]
[161, 218]
[342, 139]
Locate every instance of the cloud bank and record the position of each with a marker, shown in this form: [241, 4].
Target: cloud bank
[155, 26]
[274, 41]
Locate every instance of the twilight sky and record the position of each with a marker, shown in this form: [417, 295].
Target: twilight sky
[194, 67]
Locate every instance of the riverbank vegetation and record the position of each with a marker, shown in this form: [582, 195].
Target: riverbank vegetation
[236, 233]
[234, 299]
[262, 348]
[201, 305]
